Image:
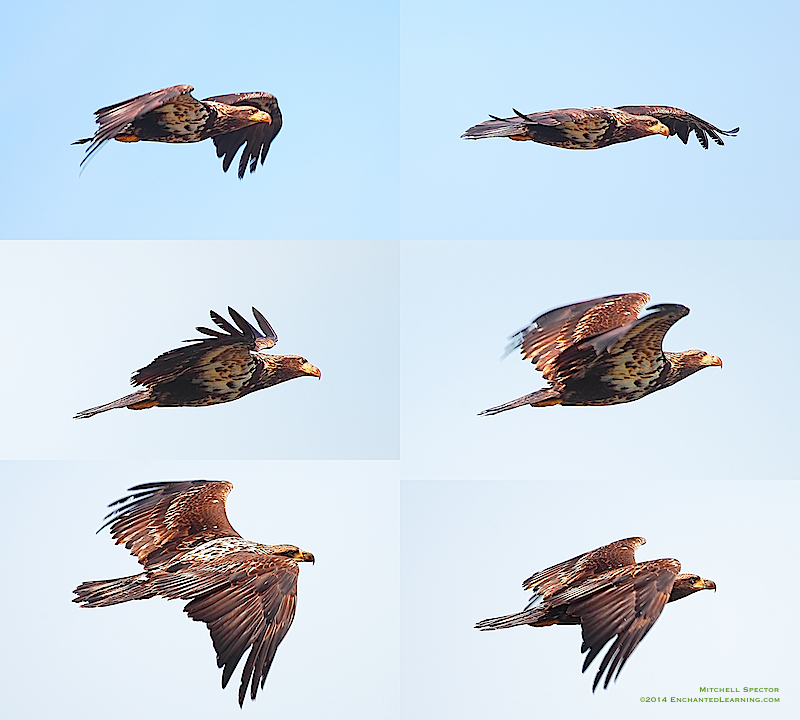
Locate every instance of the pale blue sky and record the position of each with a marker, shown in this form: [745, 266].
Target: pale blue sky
[375, 97]
[398, 258]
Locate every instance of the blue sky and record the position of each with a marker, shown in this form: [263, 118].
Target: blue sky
[398, 258]
[375, 97]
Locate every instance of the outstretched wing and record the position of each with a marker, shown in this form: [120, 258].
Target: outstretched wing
[681, 123]
[256, 138]
[550, 334]
[161, 519]
[546, 583]
[229, 351]
[248, 602]
[114, 118]
[624, 607]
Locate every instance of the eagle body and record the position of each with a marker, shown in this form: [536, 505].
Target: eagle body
[245, 592]
[613, 598]
[630, 376]
[600, 352]
[226, 377]
[222, 368]
[182, 120]
[598, 127]
[172, 115]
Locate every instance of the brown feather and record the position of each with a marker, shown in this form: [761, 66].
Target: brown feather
[246, 593]
[598, 127]
[221, 367]
[599, 352]
[613, 598]
[172, 115]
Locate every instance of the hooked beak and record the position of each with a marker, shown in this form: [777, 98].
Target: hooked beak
[660, 129]
[712, 360]
[703, 584]
[261, 116]
[309, 369]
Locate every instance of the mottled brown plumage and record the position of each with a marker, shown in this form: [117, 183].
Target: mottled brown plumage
[222, 368]
[245, 592]
[172, 115]
[598, 127]
[610, 595]
[599, 352]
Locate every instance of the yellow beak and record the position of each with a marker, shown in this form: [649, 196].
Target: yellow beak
[309, 369]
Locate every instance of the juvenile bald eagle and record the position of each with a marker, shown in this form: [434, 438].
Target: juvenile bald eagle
[609, 595]
[216, 370]
[597, 127]
[172, 115]
[599, 352]
[246, 593]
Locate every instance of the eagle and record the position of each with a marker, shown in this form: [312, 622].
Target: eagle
[172, 115]
[598, 127]
[224, 367]
[599, 352]
[609, 595]
[245, 592]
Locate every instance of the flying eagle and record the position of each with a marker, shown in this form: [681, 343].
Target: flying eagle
[597, 127]
[172, 115]
[599, 352]
[245, 592]
[609, 595]
[225, 367]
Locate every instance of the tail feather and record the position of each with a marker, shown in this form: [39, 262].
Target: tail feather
[127, 401]
[99, 593]
[506, 621]
[495, 128]
[541, 398]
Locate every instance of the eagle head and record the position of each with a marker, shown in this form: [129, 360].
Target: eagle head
[656, 127]
[687, 584]
[257, 116]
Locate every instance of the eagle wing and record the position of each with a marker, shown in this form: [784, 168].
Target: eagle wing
[628, 358]
[549, 581]
[681, 123]
[256, 138]
[162, 519]
[222, 357]
[550, 118]
[114, 118]
[551, 334]
[248, 601]
[623, 603]
[572, 121]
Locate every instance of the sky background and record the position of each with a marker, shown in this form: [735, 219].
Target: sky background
[375, 97]
[399, 258]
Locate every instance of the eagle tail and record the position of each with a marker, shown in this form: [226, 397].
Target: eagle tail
[506, 621]
[541, 398]
[496, 127]
[99, 593]
[127, 401]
